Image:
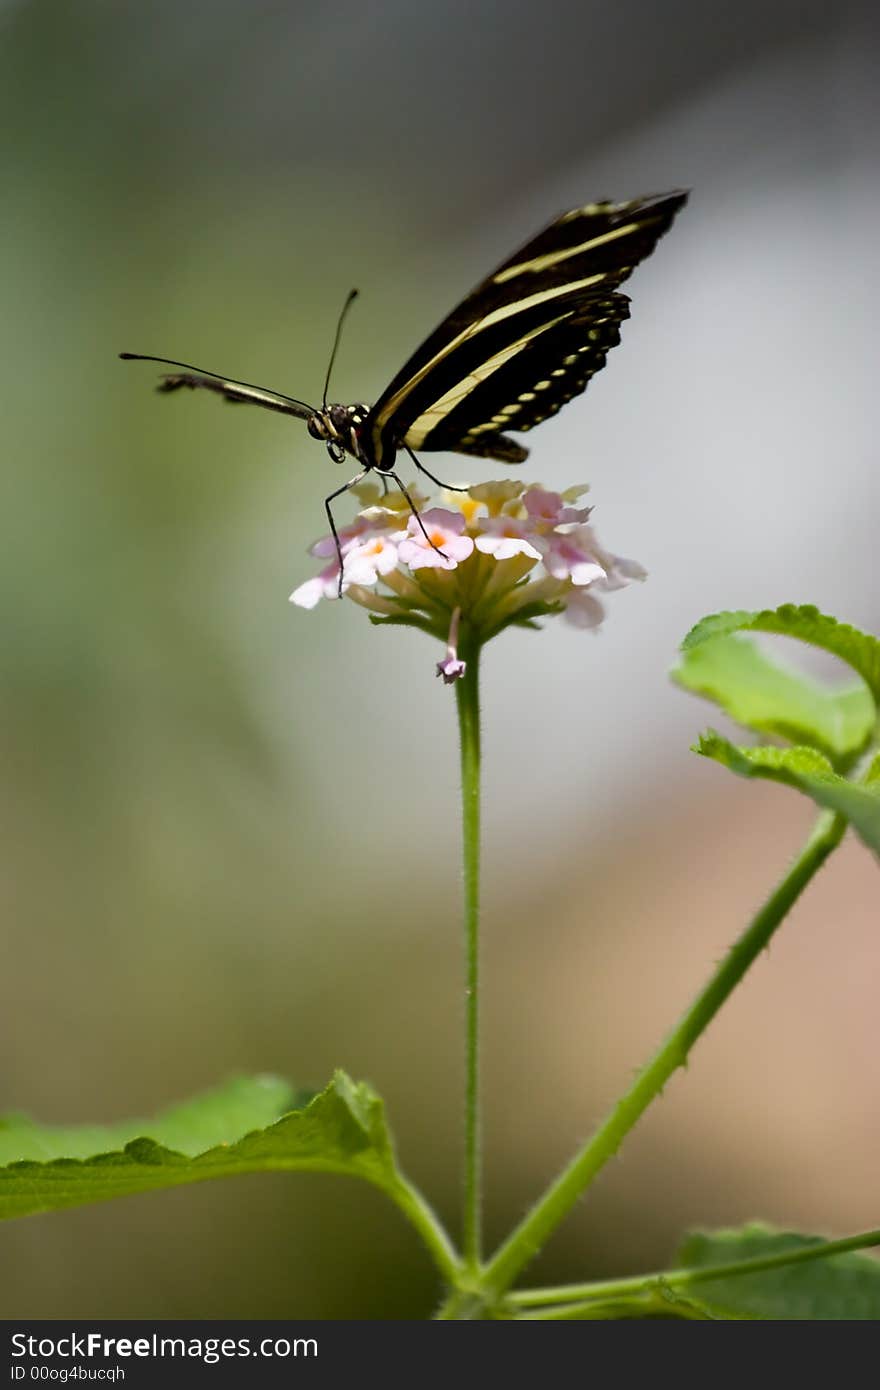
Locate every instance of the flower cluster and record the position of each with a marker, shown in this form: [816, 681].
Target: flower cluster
[497, 554]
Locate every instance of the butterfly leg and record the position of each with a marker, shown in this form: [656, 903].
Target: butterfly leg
[329, 510]
[414, 509]
[438, 482]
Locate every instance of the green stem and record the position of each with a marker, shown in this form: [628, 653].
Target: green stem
[611, 1289]
[561, 1196]
[468, 699]
[416, 1209]
[608, 1310]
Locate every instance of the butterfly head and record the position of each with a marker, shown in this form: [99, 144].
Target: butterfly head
[340, 427]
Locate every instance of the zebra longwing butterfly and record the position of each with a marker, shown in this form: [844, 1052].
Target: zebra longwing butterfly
[522, 344]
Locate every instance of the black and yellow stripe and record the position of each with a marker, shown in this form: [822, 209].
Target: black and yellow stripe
[525, 341]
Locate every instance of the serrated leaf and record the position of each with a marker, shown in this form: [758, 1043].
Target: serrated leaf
[808, 771]
[838, 1287]
[763, 695]
[234, 1129]
[805, 623]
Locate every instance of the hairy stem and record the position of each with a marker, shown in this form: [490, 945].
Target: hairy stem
[468, 699]
[416, 1209]
[685, 1278]
[561, 1196]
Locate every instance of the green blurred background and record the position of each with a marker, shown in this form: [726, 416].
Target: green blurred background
[230, 830]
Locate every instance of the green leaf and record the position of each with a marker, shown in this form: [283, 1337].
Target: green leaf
[233, 1129]
[836, 1287]
[766, 696]
[223, 1113]
[807, 624]
[810, 772]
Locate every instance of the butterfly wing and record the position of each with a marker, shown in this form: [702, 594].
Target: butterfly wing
[236, 391]
[534, 381]
[193, 378]
[526, 340]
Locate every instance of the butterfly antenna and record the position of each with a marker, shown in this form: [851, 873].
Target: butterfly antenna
[200, 371]
[352, 296]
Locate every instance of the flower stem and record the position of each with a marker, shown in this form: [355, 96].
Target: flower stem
[685, 1278]
[468, 700]
[416, 1209]
[561, 1196]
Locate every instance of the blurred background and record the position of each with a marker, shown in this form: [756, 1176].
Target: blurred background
[219, 854]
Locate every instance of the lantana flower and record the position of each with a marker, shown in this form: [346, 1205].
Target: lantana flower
[435, 540]
[497, 555]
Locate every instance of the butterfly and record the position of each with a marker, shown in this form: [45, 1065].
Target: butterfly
[522, 344]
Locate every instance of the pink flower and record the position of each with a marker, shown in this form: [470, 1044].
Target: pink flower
[620, 572]
[370, 521]
[442, 529]
[324, 585]
[532, 553]
[504, 537]
[568, 557]
[370, 558]
[347, 536]
[548, 508]
[452, 668]
[583, 610]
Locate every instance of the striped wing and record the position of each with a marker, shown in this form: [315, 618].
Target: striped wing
[526, 340]
[235, 391]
